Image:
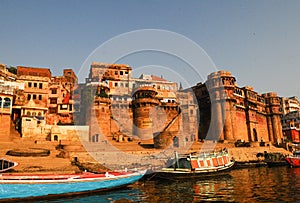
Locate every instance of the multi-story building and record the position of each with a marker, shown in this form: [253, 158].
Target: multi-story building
[289, 104]
[291, 126]
[118, 108]
[6, 102]
[229, 112]
[61, 103]
[291, 118]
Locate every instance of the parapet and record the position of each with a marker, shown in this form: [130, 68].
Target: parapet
[219, 74]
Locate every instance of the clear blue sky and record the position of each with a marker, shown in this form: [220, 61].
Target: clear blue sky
[258, 41]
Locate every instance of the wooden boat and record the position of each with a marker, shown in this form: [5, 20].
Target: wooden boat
[197, 164]
[294, 161]
[29, 185]
[6, 165]
[274, 159]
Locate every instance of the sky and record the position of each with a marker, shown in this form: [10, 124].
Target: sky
[257, 41]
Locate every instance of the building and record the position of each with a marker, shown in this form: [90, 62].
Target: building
[121, 111]
[291, 126]
[229, 112]
[291, 119]
[61, 102]
[289, 104]
[6, 101]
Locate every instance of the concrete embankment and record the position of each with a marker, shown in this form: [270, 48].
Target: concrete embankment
[115, 155]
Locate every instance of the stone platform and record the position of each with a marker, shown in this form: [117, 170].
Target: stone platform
[115, 155]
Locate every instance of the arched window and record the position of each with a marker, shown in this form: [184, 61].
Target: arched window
[6, 103]
[39, 114]
[28, 113]
[55, 138]
[0, 102]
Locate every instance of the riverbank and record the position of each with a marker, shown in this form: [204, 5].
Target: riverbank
[114, 156]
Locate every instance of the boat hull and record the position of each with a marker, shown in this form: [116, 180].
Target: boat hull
[186, 173]
[6, 165]
[293, 161]
[35, 188]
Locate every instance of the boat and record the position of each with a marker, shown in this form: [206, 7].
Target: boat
[6, 165]
[294, 160]
[197, 164]
[15, 186]
[274, 159]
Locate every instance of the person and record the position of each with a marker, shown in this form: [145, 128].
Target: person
[175, 142]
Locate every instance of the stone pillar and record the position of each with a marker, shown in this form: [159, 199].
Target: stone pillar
[233, 122]
[228, 135]
[216, 132]
[270, 129]
[277, 131]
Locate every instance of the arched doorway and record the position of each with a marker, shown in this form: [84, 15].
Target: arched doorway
[55, 138]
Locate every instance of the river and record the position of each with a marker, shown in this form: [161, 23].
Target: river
[262, 184]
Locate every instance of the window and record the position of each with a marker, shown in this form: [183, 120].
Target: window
[116, 72]
[116, 84]
[28, 113]
[35, 85]
[63, 107]
[121, 72]
[40, 97]
[28, 96]
[6, 103]
[52, 110]
[191, 112]
[34, 96]
[53, 101]
[29, 84]
[40, 85]
[71, 107]
[53, 91]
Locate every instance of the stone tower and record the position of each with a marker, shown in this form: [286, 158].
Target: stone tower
[102, 108]
[143, 101]
[216, 106]
[273, 117]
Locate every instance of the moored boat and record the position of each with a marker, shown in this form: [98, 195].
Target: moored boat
[294, 161]
[29, 185]
[197, 164]
[6, 165]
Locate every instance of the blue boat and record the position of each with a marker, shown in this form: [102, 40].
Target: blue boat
[29, 185]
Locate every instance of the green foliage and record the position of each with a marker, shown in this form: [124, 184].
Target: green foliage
[12, 69]
[103, 94]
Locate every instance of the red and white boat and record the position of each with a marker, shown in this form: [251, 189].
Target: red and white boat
[197, 164]
[294, 161]
[34, 185]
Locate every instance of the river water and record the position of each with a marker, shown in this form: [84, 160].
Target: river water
[262, 184]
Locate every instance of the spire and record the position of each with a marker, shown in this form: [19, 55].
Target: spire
[180, 87]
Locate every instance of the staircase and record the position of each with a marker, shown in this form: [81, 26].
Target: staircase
[169, 125]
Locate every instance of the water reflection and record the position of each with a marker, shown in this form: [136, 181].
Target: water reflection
[278, 184]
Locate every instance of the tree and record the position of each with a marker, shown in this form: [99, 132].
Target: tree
[12, 69]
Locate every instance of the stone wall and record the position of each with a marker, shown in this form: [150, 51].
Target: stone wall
[5, 122]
